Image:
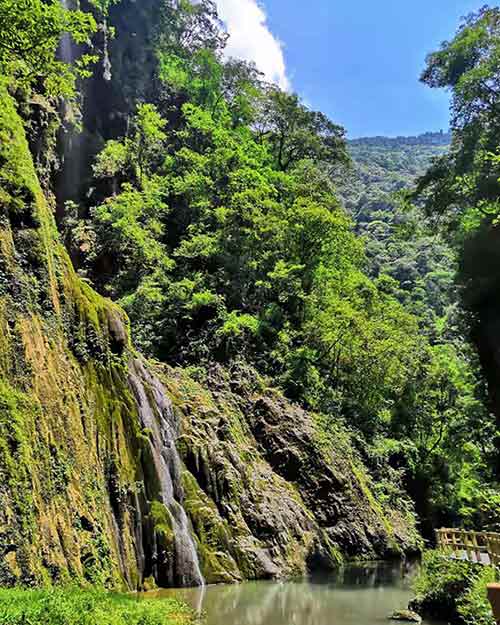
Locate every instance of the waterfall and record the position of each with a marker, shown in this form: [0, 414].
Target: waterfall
[73, 145]
[69, 174]
[157, 415]
[106, 61]
[66, 49]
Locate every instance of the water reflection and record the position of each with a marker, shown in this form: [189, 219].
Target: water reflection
[354, 595]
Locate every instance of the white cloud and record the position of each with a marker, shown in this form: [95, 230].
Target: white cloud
[250, 38]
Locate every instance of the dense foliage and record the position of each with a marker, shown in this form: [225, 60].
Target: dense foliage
[230, 222]
[216, 226]
[461, 191]
[464, 184]
[453, 590]
[30, 35]
[399, 242]
[216, 223]
[416, 263]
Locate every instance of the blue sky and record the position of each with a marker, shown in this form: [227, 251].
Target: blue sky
[356, 60]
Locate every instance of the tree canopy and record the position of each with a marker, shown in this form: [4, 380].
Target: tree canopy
[29, 38]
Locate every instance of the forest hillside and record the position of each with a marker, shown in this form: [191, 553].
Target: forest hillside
[233, 344]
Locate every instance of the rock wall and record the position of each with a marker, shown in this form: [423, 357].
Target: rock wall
[90, 480]
[269, 492]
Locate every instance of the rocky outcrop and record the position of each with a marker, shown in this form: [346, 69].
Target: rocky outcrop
[270, 491]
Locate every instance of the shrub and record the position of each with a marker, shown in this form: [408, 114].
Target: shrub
[453, 590]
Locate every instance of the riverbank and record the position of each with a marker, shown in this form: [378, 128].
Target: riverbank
[88, 607]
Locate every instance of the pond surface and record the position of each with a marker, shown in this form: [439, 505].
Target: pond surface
[355, 595]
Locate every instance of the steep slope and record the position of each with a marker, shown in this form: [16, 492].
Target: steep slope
[76, 500]
[92, 485]
[287, 492]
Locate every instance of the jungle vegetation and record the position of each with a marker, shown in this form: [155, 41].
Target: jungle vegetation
[222, 223]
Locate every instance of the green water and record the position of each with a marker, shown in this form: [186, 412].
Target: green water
[355, 595]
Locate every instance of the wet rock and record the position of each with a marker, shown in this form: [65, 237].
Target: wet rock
[405, 615]
[262, 489]
[118, 337]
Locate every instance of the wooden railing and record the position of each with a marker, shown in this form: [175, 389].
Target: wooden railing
[481, 547]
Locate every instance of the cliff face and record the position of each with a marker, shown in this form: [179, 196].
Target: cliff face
[268, 488]
[116, 472]
[110, 95]
[92, 486]
[70, 436]
[90, 476]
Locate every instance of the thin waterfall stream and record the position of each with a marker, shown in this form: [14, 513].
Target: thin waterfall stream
[66, 50]
[157, 416]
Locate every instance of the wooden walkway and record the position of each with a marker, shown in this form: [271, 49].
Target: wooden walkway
[481, 547]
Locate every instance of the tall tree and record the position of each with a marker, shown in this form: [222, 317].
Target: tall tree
[463, 188]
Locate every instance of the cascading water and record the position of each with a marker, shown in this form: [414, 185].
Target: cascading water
[157, 415]
[71, 162]
[66, 47]
[66, 50]
[76, 155]
[154, 407]
[106, 60]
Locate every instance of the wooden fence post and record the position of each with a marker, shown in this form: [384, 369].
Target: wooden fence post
[494, 597]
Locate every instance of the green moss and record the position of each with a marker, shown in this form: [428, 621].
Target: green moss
[70, 446]
[376, 506]
[68, 422]
[21, 199]
[333, 550]
[213, 536]
[333, 441]
[162, 520]
[19, 186]
[197, 404]
[73, 455]
[91, 322]
[17, 511]
[149, 584]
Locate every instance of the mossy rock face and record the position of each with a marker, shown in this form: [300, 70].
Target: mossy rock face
[267, 489]
[267, 493]
[69, 433]
[212, 533]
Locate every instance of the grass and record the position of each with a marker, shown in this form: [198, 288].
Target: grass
[64, 606]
